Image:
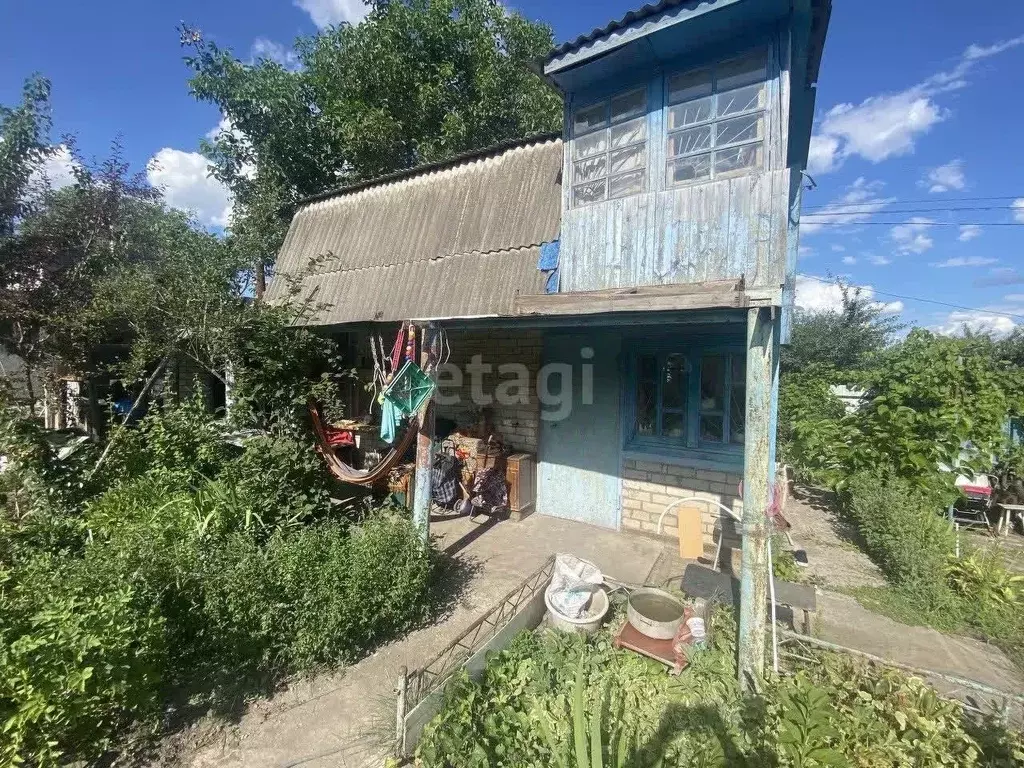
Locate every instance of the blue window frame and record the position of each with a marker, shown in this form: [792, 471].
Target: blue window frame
[686, 401]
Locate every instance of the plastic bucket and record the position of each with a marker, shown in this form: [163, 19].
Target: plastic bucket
[588, 623]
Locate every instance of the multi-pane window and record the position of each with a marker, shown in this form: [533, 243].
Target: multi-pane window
[715, 120]
[683, 400]
[610, 148]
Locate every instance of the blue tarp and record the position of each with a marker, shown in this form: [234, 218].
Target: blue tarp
[548, 262]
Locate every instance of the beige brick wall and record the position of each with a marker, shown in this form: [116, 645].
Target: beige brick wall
[518, 423]
[649, 486]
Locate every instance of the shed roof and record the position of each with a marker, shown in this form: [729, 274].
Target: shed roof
[456, 239]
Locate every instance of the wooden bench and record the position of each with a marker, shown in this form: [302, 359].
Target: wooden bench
[713, 586]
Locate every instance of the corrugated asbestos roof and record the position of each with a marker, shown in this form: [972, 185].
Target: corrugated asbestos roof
[445, 241]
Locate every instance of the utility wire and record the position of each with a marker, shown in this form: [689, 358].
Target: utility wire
[847, 212]
[923, 200]
[818, 223]
[919, 298]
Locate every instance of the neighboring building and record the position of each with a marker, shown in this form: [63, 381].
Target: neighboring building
[655, 241]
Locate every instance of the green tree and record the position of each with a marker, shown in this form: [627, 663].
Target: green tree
[417, 81]
[840, 339]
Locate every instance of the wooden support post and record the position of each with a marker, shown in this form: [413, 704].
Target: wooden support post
[424, 447]
[762, 365]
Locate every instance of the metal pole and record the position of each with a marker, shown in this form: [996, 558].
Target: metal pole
[762, 330]
[424, 447]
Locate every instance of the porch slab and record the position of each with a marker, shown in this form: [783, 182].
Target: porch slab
[348, 718]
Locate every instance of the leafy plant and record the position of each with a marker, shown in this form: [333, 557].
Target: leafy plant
[806, 733]
[984, 577]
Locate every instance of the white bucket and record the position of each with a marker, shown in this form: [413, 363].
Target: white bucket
[589, 621]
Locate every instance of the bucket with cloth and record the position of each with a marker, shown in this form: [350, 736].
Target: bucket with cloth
[574, 598]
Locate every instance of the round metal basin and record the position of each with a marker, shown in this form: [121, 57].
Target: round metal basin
[655, 613]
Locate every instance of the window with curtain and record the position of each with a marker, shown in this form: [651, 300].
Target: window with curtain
[715, 120]
[689, 400]
[610, 148]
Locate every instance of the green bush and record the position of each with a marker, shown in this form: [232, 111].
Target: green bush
[279, 481]
[81, 655]
[904, 531]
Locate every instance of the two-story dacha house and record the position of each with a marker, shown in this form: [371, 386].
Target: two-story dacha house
[641, 265]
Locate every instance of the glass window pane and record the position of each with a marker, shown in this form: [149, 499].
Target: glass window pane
[673, 425]
[688, 169]
[738, 399]
[590, 118]
[711, 429]
[588, 193]
[751, 68]
[629, 105]
[594, 144]
[687, 142]
[646, 408]
[738, 158]
[673, 388]
[741, 100]
[689, 113]
[648, 367]
[627, 159]
[738, 129]
[631, 183]
[712, 383]
[588, 170]
[629, 133]
[689, 85]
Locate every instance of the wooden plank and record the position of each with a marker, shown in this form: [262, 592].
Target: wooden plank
[725, 293]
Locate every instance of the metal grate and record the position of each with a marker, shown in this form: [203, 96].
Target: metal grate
[422, 682]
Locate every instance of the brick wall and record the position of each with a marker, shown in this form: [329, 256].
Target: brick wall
[649, 486]
[517, 422]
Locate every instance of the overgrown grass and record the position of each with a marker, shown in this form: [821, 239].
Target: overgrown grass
[217, 583]
[552, 699]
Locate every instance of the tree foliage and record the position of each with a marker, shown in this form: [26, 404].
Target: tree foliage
[417, 81]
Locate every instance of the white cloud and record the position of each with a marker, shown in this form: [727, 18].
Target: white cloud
[965, 261]
[186, 184]
[888, 124]
[968, 232]
[977, 321]
[1014, 297]
[326, 13]
[56, 171]
[912, 237]
[849, 260]
[943, 178]
[817, 295]
[263, 48]
[880, 261]
[837, 248]
[857, 204]
[1018, 209]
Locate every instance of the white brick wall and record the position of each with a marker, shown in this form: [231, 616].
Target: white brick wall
[517, 423]
[649, 486]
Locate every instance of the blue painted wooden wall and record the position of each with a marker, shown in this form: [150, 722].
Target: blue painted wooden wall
[729, 228]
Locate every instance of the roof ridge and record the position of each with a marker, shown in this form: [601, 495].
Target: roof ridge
[424, 168]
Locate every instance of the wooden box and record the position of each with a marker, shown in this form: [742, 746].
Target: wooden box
[521, 476]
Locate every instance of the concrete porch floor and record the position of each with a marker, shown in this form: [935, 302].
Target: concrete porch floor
[347, 718]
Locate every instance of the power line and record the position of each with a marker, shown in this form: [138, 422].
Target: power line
[887, 211]
[926, 301]
[918, 223]
[925, 200]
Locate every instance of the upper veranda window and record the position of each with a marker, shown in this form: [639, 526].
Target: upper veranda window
[715, 120]
[610, 148]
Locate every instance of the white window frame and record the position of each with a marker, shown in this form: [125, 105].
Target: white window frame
[608, 125]
[714, 120]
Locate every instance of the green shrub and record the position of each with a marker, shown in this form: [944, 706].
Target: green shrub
[904, 531]
[81, 656]
[279, 481]
[183, 443]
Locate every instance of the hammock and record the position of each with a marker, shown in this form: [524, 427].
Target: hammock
[343, 471]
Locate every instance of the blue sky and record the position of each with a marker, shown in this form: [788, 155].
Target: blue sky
[916, 112]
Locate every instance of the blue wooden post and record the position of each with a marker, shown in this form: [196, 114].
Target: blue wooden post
[762, 368]
[424, 446]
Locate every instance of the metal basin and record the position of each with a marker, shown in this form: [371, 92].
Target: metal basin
[655, 613]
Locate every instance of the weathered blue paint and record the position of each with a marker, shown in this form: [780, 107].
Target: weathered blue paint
[792, 253]
[720, 229]
[579, 457]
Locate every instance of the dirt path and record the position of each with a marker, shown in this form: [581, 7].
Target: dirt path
[348, 719]
[835, 560]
